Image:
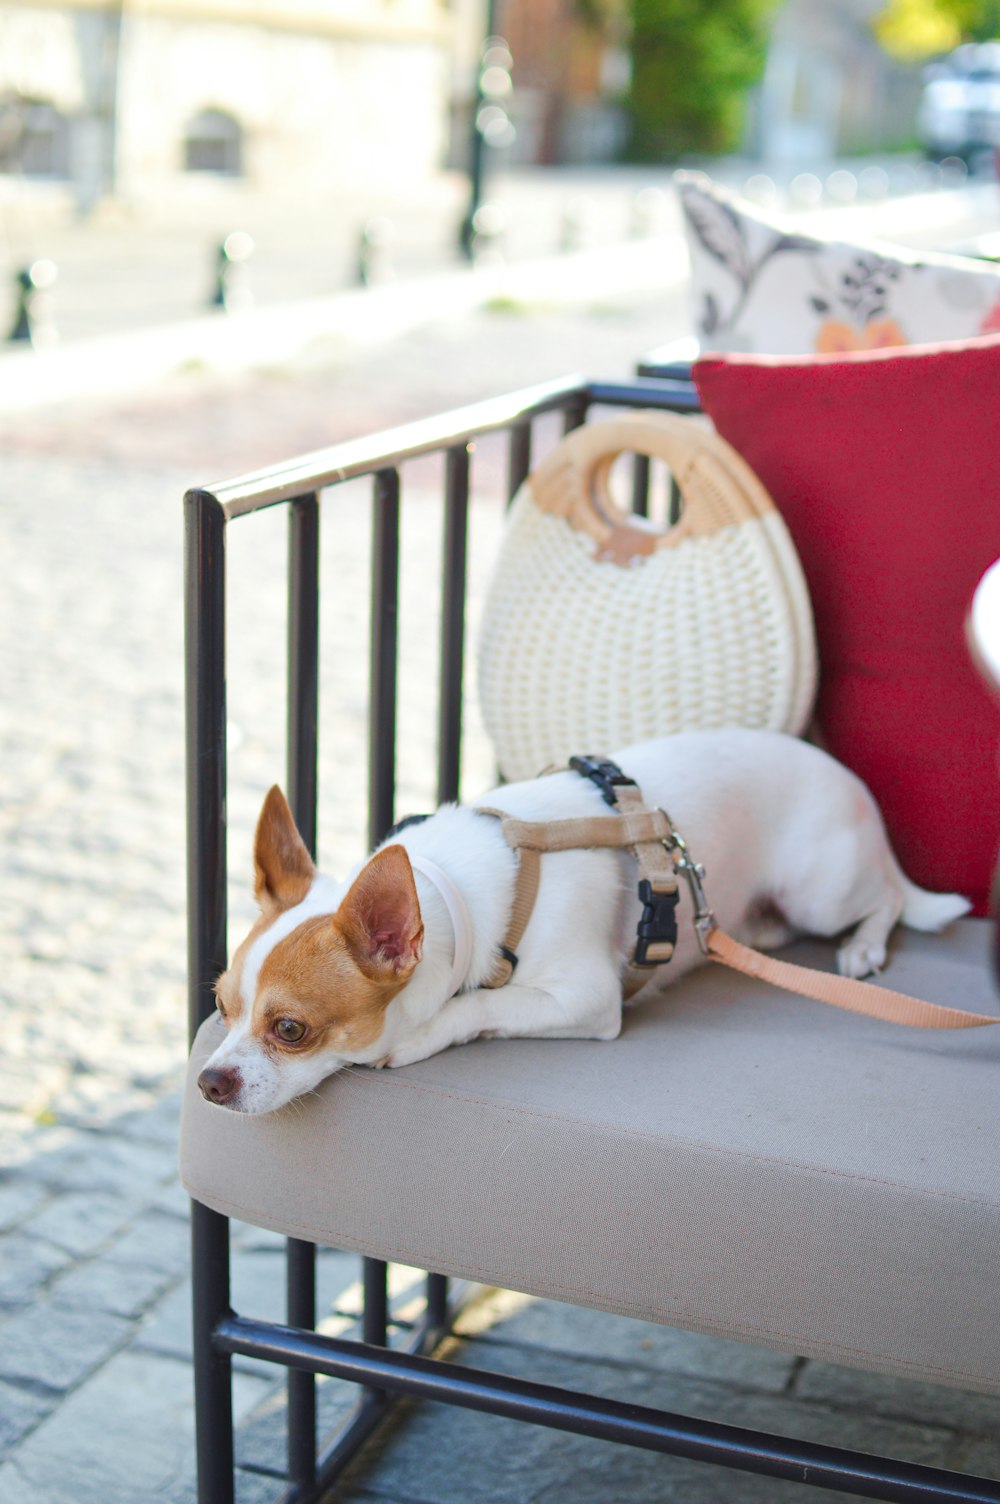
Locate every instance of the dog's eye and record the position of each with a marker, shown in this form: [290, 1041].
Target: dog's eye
[289, 1030]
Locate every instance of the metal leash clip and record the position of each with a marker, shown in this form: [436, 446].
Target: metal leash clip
[704, 919]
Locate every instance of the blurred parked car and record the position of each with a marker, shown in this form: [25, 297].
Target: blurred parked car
[959, 114]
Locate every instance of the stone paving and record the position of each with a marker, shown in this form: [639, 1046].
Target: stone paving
[95, 1381]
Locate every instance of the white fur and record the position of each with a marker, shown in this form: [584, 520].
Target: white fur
[790, 841]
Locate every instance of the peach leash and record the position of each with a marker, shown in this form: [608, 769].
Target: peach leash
[822, 986]
[841, 992]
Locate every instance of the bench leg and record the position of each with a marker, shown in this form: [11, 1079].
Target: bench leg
[300, 1263]
[212, 1368]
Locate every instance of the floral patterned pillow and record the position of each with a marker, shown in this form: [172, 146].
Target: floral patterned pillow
[765, 288]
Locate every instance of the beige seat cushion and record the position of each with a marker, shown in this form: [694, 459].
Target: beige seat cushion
[740, 1162]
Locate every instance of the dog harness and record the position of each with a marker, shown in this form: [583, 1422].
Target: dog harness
[662, 855]
[647, 833]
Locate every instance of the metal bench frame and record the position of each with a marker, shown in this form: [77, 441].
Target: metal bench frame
[219, 1333]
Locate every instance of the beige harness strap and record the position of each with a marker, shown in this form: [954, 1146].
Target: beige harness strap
[656, 864]
[841, 992]
[641, 827]
[637, 827]
[529, 872]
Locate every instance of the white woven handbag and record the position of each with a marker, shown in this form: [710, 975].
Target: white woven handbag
[601, 629]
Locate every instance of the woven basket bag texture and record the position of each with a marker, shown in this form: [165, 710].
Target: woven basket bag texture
[600, 630]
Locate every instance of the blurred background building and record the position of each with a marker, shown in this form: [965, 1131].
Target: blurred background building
[144, 98]
[828, 86]
[154, 102]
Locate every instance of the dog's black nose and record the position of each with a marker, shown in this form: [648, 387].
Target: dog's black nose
[217, 1084]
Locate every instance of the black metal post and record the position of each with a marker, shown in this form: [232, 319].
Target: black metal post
[205, 628]
[302, 762]
[375, 1318]
[575, 413]
[456, 524]
[456, 531]
[303, 664]
[34, 321]
[213, 1380]
[518, 458]
[640, 485]
[436, 1287]
[382, 772]
[204, 600]
[230, 283]
[384, 632]
[477, 151]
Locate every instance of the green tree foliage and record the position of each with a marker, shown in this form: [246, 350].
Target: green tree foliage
[692, 64]
[977, 20]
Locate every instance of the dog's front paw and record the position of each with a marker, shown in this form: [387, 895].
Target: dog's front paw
[402, 1057]
[857, 959]
[430, 1040]
[419, 1047]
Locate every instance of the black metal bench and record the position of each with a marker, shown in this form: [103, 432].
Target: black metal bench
[220, 1334]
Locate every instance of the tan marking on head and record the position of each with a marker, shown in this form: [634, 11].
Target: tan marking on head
[337, 974]
[283, 868]
[312, 978]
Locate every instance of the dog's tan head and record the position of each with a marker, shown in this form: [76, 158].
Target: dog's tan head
[307, 990]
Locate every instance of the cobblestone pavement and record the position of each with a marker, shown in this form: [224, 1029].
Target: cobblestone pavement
[95, 1381]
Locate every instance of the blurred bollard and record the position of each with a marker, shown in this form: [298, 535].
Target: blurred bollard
[576, 227]
[375, 251]
[761, 189]
[486, 243]
[904, 177]
[649, 210]
[806, 191]
[492, 126]
[231, 289]
[841, 187]
[873, 183]
[34, 313]
[954, 172]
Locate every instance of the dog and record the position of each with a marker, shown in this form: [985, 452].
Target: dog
[388, 967]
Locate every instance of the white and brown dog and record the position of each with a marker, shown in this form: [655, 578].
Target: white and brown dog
[389, 968]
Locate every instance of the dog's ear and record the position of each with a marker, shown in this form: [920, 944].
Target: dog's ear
[283, 868]
[380, 917]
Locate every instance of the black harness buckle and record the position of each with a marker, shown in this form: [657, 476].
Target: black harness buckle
[656, 932]
[657, 928]
[606, 774]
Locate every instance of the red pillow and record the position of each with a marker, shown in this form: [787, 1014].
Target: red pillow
[886, 467]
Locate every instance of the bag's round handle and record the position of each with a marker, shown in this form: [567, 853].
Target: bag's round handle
[717, 486]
